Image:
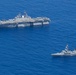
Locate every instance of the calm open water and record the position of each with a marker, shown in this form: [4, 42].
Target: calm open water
[26, 51]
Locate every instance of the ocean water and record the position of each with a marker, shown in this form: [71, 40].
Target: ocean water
[27, 51]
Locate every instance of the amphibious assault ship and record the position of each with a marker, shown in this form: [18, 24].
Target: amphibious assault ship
[24, 20]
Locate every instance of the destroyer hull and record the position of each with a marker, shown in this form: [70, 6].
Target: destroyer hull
[59, 55]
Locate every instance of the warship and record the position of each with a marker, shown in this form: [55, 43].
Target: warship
[65, 52]
[24, 20]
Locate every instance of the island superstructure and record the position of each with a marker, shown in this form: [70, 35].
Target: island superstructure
[24, 20]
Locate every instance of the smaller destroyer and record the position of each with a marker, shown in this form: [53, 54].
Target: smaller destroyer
[65, 52]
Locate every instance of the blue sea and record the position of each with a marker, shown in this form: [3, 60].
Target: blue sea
[27, 51]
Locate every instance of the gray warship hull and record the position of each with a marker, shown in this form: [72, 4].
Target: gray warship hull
[24, 24]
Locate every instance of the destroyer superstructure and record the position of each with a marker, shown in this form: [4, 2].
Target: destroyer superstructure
[23, 21]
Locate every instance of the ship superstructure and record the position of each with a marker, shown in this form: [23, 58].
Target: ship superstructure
[23, 21]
